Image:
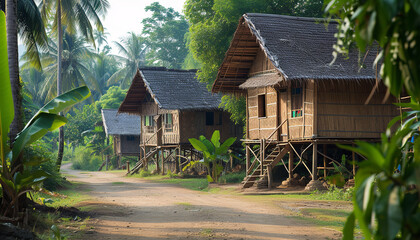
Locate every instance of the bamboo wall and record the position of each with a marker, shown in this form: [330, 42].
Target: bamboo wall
[130, 146]
[261, 63]
[193, 124]
[172, 137]
[124, 146]
[301, 127]
[262, 127]
[342, 112]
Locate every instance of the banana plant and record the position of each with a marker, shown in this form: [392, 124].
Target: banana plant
[15, 180]
[214, 154]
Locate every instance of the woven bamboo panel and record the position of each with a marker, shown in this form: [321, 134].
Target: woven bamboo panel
[342, 111]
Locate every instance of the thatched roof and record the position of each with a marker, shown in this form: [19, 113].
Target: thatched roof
[299, 48]
[170, 89]
[120, 123]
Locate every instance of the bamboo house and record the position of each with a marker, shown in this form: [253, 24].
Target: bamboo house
[298, 99]
[174, 107]
[125, 131]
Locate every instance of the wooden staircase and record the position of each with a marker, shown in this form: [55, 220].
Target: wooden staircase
[140, 163]
[256, 172]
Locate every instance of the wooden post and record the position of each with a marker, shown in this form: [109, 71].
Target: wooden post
[262, 147]
[291, 164]
[179, 157]
[157, 161]
[107, 162]
[163, 161]
[270, 176]
[314, 161]
[128, 166]
[324, 146]
[247, 156]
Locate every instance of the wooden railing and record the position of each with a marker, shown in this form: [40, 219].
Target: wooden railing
[262, 149]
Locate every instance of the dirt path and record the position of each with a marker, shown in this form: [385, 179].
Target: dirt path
[128, 208]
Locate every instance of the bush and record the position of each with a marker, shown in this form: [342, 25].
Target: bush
[84, 159]
[232, 177]
[334, 194]
[42, 152]
[144, 173]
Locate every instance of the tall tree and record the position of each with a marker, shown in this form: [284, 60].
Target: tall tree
[213, 23]
[165, 34]
[75, 71]
[132, 55]
[103, 66]
[23, 18]
[76, 15]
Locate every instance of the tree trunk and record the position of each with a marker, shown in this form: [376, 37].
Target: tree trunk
[13, 58]
[12, 52]
[59, 70]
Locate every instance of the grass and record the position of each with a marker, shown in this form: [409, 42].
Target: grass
[198, 184]
[70, 228]
[118, 183]
[68, 197]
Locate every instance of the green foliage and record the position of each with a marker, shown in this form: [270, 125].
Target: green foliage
[214, 154]
[132, 55]
[232, 177]
[75, 70]
[80, 121]
[84, 159]
[41, 152]
[395, 27]
[15, 178]
[165, 32]
[236, 106]
[213, 24]
[386, 200]
[144, 173]
[334, 194]
[112, 99]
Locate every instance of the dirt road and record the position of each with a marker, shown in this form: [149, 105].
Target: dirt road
[128, 208]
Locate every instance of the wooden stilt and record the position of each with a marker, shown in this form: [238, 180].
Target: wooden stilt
[324, 146]
[247, 156]
[262, 155]
[157, 161]
[314, 161]
[163, 161]
[291, 165]
[270, 176]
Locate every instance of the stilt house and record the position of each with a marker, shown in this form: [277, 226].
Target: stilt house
[174, 107]
[297, 97]
[125, 130]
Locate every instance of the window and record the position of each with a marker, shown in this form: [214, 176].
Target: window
[218, 118]
[209, 118]
[149, 124]
[297, 110]
[148, 121]
[167, 121]
[261, 106]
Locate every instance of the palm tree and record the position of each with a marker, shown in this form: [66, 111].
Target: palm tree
[133, 54]
[102, 69]
[75, 70]
[75, 14]
[100, 38]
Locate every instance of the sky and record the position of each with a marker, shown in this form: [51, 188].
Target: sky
[126, 15]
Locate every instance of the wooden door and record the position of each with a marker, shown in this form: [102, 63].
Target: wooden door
[282, 113]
